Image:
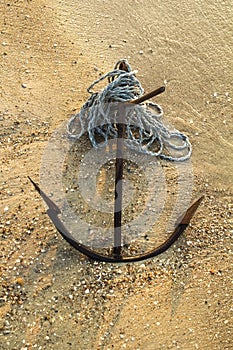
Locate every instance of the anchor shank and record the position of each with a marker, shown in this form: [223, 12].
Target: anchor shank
[118, 184]
[119, 169]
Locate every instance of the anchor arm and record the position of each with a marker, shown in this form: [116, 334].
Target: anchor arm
[53, 212]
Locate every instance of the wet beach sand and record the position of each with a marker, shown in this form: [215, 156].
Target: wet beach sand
[52, 297]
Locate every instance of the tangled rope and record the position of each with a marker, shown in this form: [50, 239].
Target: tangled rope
[143, 125]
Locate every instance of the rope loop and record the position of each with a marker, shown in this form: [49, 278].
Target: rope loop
[145, 131]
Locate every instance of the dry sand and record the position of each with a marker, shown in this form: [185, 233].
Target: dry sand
[52, 297]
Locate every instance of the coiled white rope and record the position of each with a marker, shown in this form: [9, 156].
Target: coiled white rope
[143, 125]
